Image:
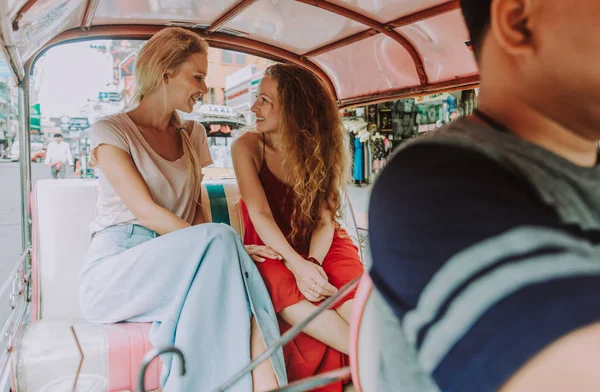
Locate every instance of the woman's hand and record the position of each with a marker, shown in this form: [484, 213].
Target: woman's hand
[259, 252]
[312, 280]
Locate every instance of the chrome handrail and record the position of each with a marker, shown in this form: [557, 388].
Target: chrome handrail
[14, 272]
[10, 333]
[19, 281]
[149, 357]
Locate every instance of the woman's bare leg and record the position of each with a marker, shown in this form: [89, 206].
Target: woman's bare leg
[263, 377]
[329, 327]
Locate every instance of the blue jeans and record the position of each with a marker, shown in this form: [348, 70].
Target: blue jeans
[197, 285]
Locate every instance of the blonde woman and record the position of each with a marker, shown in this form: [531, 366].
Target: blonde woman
[291, 174]
[152, 257]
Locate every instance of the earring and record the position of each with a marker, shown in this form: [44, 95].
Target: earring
[165, 95]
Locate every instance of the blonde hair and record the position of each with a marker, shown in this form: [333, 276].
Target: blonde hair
[313, 147]
[166, 51]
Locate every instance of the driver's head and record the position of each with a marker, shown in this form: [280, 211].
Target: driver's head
[544, 53]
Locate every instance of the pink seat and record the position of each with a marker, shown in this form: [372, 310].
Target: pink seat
[127, 345]
[48, 357]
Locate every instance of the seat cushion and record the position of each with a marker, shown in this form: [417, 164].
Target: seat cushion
[48, 357]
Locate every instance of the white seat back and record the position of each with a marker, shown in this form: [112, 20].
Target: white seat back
[63, 211]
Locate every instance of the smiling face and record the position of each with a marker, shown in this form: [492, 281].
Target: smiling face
[266, 108]
[186, 86]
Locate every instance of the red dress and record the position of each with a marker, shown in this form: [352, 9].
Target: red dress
[304, 356]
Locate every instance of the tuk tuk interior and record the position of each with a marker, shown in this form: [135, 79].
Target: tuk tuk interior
[366, 52]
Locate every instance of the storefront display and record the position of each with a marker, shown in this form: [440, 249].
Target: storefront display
[404, 119]
[376, 130]
[435, 111]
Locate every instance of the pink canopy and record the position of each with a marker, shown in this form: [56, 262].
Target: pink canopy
[365, 50]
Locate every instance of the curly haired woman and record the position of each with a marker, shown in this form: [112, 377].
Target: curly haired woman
[291, 174]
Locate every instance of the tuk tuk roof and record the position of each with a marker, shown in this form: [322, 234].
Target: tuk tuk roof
[365, 50]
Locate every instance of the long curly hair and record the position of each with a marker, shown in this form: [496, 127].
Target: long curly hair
[312, 146]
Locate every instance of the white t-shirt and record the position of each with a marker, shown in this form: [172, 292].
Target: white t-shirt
[170, 183]
[58, 152]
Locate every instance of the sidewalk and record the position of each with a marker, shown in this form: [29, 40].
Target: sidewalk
[359, 197]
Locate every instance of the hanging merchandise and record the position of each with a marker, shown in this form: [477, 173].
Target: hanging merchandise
[404, 119]
[468, 103]
[355, 125]
[450, 108]
[436, 110]
[351, 136]
[381, 148]
[358, 172]
[364, 139]
[364, 136]
[368, 158]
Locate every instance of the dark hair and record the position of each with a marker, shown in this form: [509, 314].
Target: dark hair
[477, 17]
[58, 135]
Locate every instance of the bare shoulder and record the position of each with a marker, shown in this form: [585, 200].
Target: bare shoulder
[569, 364]
[245, 150]
[247, 143]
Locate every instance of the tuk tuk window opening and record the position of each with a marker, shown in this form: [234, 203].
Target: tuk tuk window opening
[224, 110]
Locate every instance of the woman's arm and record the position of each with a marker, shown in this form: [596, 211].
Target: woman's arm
[199, 216]
[322, 236]
[123, 176]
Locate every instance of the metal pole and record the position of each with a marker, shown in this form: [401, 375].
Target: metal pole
[25, 162]
[7, 44]
[149, 357]
[90, 11]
